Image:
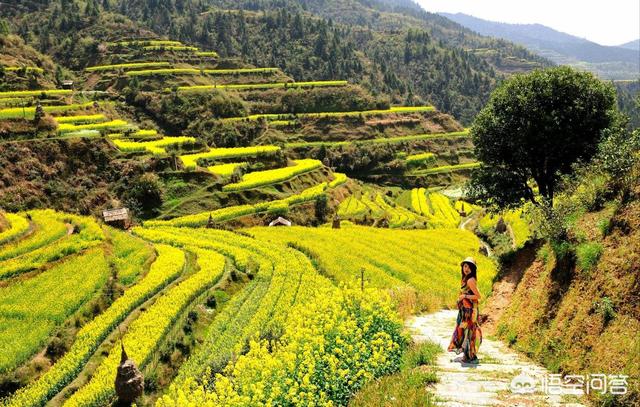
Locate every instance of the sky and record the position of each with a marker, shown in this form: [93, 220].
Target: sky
[610, 22]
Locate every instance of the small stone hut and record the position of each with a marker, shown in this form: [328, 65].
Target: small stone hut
[280, 221]
[117, 217]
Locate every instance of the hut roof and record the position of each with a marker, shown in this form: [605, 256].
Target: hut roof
[280, 221]
[111, 215]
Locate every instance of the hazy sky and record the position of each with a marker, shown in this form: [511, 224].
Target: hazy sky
[609, 22]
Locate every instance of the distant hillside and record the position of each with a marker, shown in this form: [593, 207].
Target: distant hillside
[390, 47]
[634, 45]
[607, 62]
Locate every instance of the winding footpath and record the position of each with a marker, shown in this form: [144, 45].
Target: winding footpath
[487, 383]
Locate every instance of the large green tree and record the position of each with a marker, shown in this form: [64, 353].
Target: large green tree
[533, 129]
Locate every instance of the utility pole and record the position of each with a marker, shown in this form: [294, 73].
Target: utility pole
[361, 278]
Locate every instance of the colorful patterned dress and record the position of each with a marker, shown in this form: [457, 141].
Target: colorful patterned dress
[467, 335]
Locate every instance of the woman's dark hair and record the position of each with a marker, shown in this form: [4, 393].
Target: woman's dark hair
[472, 274]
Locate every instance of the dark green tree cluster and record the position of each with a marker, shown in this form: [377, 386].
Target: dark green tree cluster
[414, 56]
[534, 129]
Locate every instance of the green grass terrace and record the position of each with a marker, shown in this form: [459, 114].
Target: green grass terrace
[381, 140]
[42, 92]
[196, 71]
[127, 66]
[142, 43]
[156, 147]
[258, 86]
[29, 112]
[447, 168]
[190, 161]
[100, 126]
[238, 211]
[417, 159]
[285, 116]
[275, 176]
[182, 48]
[22, 69]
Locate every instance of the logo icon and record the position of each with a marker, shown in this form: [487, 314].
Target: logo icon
[523, 384]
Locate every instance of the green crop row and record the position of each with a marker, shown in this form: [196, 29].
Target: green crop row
[41, 248]
[22, 68]
[207, 54]
[436, 207]
[168, 71]
[285, 116]
[227, 169]
[448, 168]
[381, 140]
[190, 161]
[45, 92]
[143, 133]
[268, 177]
[113, 124]
[170, 48]
[416, 159]
[43, 302]
[155, 147]
[80, 134]
[195, 71]
[282, 123]
[168, 265]
[29, 112]
[140, 43]
[91, 118]
[5, 102]
[132, 65]
[254, 86]
[146, 333]
[233, 212]
[18, 226]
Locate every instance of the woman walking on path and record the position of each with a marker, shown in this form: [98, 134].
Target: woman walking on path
[467, 335]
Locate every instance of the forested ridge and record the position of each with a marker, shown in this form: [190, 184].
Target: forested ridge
[392, 48]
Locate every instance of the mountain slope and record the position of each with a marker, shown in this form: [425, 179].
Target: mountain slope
[390, 47]
[608, 62]
[634, 45]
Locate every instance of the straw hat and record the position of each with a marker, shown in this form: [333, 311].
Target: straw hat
[471, 261]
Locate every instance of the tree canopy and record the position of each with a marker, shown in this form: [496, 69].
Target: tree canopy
[533, 129]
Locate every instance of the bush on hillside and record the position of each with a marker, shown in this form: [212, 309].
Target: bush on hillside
[535, 127]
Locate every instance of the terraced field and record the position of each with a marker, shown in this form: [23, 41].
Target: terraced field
[285, 116]
[238, 211]
[29, 112]
[518, 225]
[254, 86]
[195, 71]
[251, 316]
[156, 147]
[154, 268]
[190, 161]
[436, 207]
[377, 207]
[381, 140]
[269, 177]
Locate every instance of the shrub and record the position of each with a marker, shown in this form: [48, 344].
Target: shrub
[421, 354]
[147, 191]
[604, 306]
[604, 226]
[588, 255]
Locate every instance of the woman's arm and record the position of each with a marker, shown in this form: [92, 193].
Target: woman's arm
[474, 287]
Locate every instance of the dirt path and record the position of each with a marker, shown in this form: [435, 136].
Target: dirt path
[463, 226]
[487, 383]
